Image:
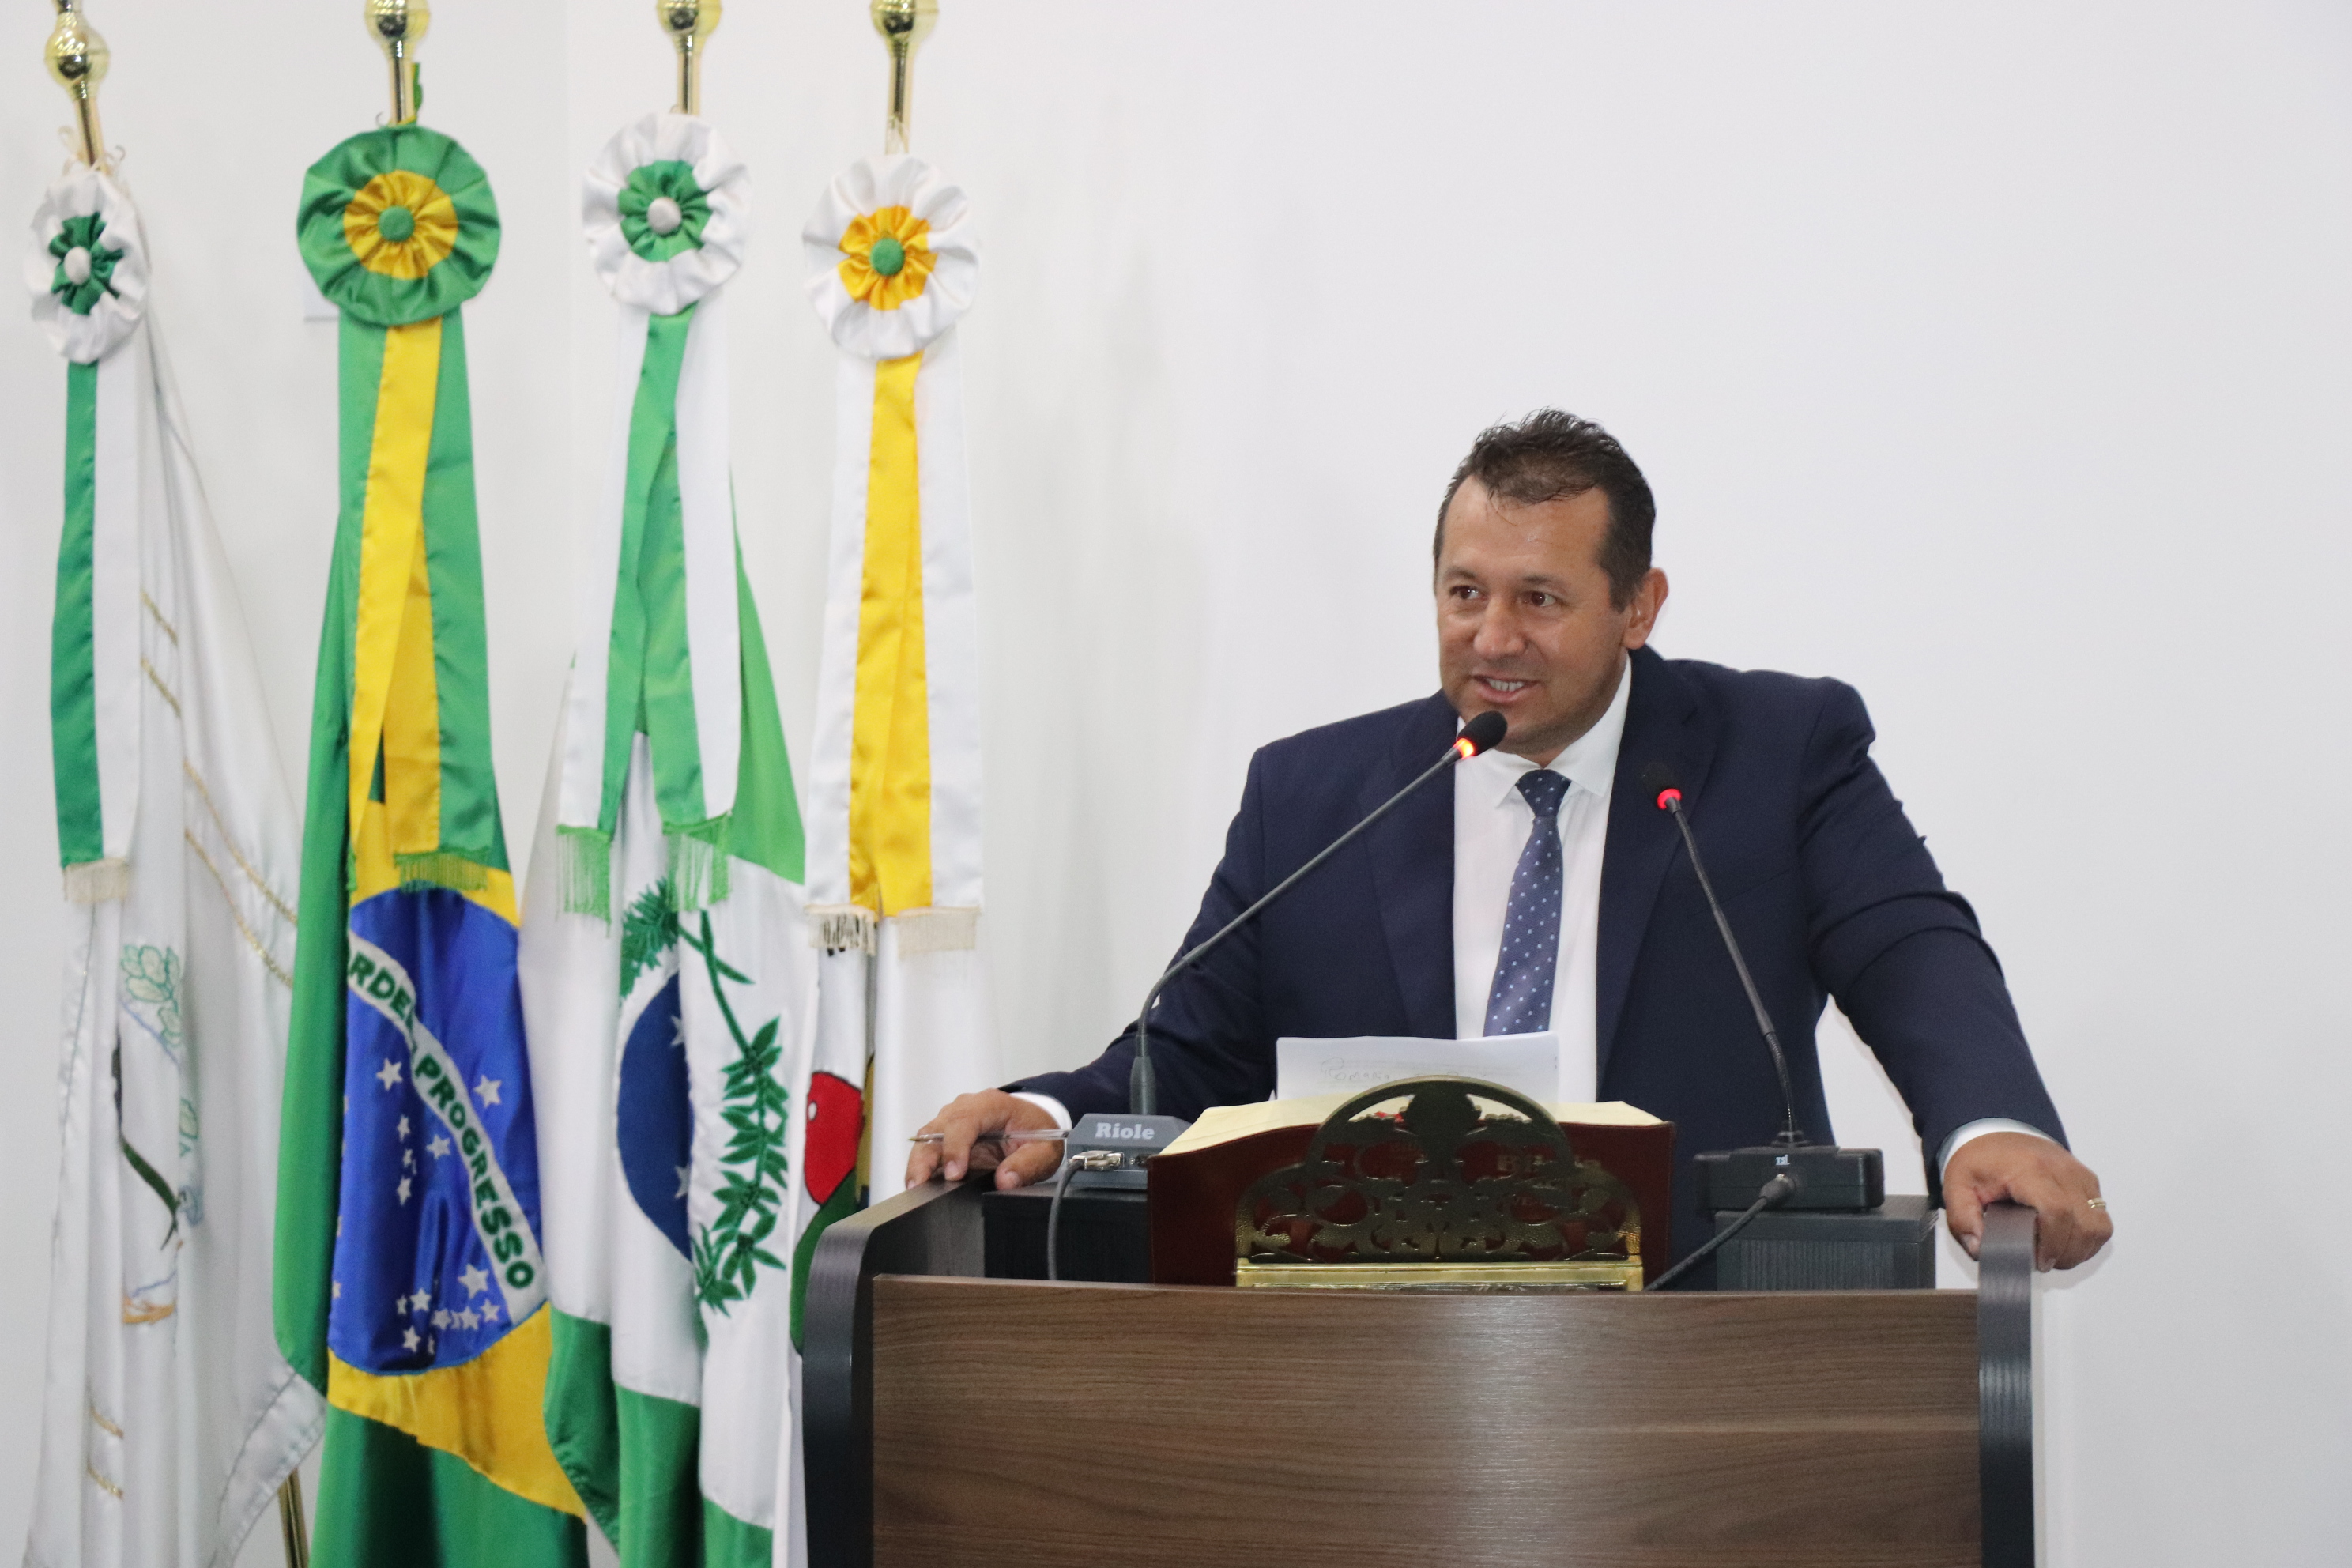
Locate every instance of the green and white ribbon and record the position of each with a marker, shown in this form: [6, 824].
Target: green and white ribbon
[668, 211]
[87, 275]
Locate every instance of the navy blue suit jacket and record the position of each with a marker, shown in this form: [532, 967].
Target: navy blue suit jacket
[1831, 890]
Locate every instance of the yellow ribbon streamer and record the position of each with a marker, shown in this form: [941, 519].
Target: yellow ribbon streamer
[890, 736]
[396, 695]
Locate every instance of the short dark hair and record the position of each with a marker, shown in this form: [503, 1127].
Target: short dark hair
[1551, 455]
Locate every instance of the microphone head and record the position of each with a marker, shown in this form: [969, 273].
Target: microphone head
[1483, 732]
[1658, 782]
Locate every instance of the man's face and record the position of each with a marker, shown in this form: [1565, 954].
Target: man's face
[1525, 625]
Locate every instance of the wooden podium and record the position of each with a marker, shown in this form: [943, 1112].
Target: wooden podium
[950, 1418]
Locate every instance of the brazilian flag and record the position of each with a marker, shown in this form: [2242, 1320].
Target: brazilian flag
[410, 1286]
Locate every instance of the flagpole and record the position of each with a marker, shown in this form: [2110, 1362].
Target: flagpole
[78, 58]
[399, 27]
[903, 24]
[291, 1529]
[689, 23]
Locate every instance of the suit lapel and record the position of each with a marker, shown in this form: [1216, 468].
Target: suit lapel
[1412, 867]
[1662, 721]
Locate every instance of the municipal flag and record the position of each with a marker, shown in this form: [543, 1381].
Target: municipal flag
[894, 791]
[169, 1417]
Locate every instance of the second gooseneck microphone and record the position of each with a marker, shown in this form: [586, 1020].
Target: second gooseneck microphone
[1658, 782]
[1788, 1171]
[1481, 734]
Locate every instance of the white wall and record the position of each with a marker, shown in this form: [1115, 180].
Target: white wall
[1997, 358]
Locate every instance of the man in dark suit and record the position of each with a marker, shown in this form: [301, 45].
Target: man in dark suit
[1546, 891]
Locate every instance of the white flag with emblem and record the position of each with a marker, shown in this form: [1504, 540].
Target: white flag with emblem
[169, 1417]
[667, 973]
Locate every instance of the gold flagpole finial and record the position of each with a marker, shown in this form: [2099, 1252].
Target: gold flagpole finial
[399, 27]
[688, 24]
[78, 58]
[903, 24]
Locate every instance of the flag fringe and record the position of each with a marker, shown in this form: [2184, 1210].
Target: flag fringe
[442, 868]
[97, 881]
[842, 928]
[937, 930]
[698, 863]
[584, 866]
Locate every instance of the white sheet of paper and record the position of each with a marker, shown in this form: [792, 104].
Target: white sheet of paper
[1529, 1063]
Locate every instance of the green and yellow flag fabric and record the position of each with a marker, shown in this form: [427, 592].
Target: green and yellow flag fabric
[410, 1285]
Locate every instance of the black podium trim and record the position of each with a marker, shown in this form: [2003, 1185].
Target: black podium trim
[931, 1229]
[2005, 1385]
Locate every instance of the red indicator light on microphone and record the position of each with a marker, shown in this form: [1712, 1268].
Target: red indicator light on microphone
[1669, 798]
[1464, 749]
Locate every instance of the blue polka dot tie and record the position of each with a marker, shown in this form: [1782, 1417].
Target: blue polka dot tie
[1519, 1002]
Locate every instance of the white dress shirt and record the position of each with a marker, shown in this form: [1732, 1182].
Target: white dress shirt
[1491, 823]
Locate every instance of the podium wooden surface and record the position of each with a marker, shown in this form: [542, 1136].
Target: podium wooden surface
[956, 1418]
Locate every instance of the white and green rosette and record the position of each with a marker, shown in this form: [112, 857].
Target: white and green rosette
[88, 269]
[88, 276]
[668, 213]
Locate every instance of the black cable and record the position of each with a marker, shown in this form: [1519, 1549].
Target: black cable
[1053, 1220]
[1773, 1192]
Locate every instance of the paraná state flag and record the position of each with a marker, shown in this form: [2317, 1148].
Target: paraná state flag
[668, 979]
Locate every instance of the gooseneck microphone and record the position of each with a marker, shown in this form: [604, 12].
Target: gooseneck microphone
[1738, 1184]
[1481, 734]
[1659, 783]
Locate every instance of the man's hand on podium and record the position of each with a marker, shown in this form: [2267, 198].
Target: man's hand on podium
[2071, 1218]
[962, 1128]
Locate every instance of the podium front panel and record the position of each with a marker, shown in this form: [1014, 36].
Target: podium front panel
[1090, 1424]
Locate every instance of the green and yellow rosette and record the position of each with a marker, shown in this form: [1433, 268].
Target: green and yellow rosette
[403, 842]
[398, 225]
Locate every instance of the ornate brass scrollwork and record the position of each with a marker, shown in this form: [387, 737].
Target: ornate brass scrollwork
[1441, 1192]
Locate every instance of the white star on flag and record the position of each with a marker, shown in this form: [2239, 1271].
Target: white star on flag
[441, 1320]
[408, 1340]
[419, 1301]
[685, 1180]
[477, 1279]
[466, 1319]
[677, 1031]
[486, 1090]
[404, 1127]
[408, 1159]
[437, 1146]
[403, 1189]
[391, 1073]
[339, 1290]
[489, 1311]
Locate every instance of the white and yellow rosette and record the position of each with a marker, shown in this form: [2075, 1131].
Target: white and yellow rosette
[892, 261]
[667, 210]
[894, 781]
[88, 268]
